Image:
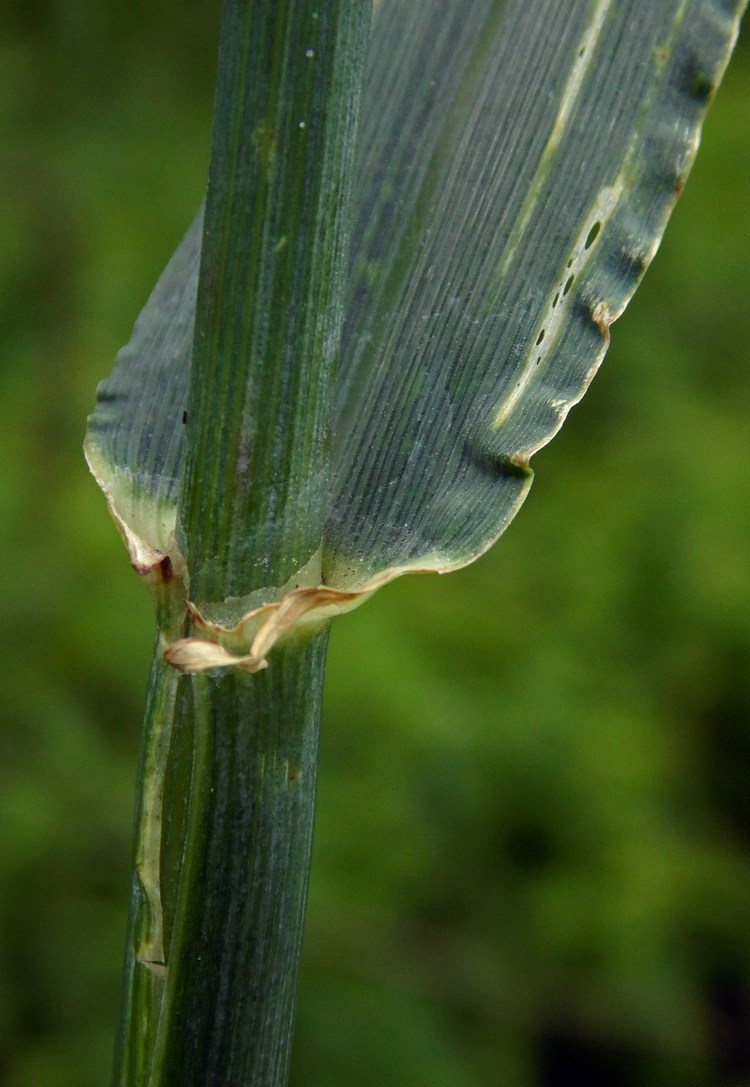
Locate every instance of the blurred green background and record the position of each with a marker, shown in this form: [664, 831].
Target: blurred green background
[532, 862]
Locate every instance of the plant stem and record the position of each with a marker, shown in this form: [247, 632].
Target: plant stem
[239, 915]
[270, 297]
[226, 797]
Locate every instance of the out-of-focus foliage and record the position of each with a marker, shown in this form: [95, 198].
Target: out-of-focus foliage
[533, 848]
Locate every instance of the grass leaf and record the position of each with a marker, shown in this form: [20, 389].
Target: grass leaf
[518, 163]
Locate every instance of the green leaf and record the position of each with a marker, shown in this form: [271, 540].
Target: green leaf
[518, 163]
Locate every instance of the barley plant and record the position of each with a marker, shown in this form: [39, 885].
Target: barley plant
[421, 221]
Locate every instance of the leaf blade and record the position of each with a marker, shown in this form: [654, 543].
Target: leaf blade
[466, 340]
[430, 479]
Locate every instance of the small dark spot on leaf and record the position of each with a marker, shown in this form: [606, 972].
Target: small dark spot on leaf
[540, 337]
[499, 465]
[108, 396]
[703, 86]
[568, 285]
[166, 569]
[633, 263]
[184, 417]
[294, 775]
[555, 300]
[592, 235]
[520, 462]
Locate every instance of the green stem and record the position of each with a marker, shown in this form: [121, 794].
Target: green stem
[270, 295]
[227, 788]
[235, 948]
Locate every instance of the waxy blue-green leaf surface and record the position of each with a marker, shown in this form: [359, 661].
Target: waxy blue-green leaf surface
[518, 162]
